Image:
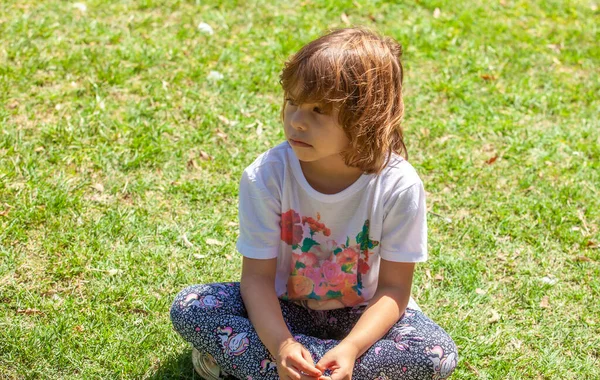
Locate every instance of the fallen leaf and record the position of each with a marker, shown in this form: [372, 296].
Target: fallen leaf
[439, 277]
[548, 280]
[345, 19]
[228, 257]
[99, 187]
[186, 241]
[221, 134]
[215, 75]
[472, 368]
[214, 242]
[232, 224]
[583, 259]
[199, 256]
[5, 212]
[428, 273]
[224, 120]
[488, 77]
[191, 164]
[140, 311]
[30, 312]
[112, 272]
[495, 317]
[13, 105]
[592, 244]
[39, 149]
[480, 291]
[544, 302]
[436, 13]
[205, 156]
[491, 160]
[205, 28]
[78, 328]
[80, 6]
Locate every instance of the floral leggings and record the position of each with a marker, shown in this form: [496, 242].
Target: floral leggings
[212, 317]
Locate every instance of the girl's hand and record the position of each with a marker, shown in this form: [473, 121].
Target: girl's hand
[340, 360]
[295, 362]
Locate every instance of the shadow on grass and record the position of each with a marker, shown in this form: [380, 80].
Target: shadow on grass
[178, 367]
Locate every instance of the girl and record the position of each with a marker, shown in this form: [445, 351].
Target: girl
[332, 222]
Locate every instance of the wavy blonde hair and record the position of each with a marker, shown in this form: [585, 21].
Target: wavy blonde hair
[360, 73]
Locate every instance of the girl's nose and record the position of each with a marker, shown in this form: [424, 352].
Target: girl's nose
[298, 121]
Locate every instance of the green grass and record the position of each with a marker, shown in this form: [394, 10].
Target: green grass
[107, 117]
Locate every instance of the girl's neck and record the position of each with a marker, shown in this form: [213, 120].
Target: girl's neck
[329, 176]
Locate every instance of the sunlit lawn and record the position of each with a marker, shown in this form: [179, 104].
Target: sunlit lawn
[117, 141]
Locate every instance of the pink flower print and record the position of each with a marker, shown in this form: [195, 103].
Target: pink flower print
[332, 272]
[347, 259]
[314, 274]
[324, 250]
[306, 258]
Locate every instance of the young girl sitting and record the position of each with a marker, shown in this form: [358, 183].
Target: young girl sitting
[332, 222]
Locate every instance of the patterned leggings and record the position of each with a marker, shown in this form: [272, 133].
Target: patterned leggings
[212, 317]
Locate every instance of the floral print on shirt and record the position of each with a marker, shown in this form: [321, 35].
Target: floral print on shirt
[322, 269]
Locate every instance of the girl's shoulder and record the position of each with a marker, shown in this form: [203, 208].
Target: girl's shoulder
[267, 173]
[271, 161]
[398, 175]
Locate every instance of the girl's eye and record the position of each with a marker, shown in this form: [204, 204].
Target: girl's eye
[317, 110]
[290, 102]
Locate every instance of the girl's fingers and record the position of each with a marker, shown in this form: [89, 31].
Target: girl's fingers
[304, 366]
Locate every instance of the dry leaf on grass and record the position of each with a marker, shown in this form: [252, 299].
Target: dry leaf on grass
[228, 257]
[491, 160]
[495, 317]
[214, 242]
[199, 256]
[205, 156]
[436, 13]
[186, 241]
[98, 187]
[30, 312]
[345, 19]
[205, 28]
[480, 291]
[583, 259]
[544, 302]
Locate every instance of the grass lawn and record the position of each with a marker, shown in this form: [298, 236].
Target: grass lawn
[124, 127]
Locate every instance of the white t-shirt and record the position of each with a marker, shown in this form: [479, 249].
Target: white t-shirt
[328, 246]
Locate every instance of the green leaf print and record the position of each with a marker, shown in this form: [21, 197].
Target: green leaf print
[363, 238]
[331, 294]
[300, 264]
[307, 244]
[337, 250]
[347, 268]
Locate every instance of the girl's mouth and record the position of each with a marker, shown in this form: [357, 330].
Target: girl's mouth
[299, 143]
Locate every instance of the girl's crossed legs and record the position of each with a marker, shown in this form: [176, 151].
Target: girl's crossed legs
[212, 317]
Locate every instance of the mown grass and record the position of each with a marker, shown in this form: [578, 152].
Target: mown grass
[115, 143]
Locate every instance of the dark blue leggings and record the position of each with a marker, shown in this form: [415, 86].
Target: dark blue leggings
[212, 317]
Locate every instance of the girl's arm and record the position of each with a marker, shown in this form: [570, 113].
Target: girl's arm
[257, 288]
[385, 308]
[258, 292]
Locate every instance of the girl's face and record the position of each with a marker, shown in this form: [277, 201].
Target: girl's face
[313, 134]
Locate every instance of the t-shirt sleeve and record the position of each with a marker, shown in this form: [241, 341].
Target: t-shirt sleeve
[259, 216]
[404, 236]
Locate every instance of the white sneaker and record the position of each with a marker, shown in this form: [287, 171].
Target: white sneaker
[206, 366]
